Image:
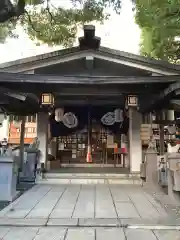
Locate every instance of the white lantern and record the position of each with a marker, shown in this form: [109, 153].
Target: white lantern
[70, 120]
[108, 119]
[171, 129]
[59, 113]
[118, 115]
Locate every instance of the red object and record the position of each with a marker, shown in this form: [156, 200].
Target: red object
[89, 157]
[123, 150]
[115, 150]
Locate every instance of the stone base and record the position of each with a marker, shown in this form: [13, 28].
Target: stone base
[10, 198]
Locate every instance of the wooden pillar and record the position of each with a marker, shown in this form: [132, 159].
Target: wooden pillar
[42, 134]
[89, 146]
[21, 152]
[161, 131]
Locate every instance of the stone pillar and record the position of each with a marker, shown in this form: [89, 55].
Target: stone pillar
[135, 146]
[42, 135]
[151, 167]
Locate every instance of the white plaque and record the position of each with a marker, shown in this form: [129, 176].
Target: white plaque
[61, 146]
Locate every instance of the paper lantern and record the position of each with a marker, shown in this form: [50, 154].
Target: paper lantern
[132, 101]
[171, 129]
[59, 114]
[108, 119]
[118, 115]
[47, 99]
[70, 120]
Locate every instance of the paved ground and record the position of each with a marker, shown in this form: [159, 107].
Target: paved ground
[105, 211]
[55, 233]
[85, 202]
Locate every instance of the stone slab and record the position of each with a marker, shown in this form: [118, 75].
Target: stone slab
[126, 210]
[4, 231]
[62, 222]
[66, 204]
[50, 233]
[132, 234]
[97, 222]
[80, 234]
[23, 205]
[143, 205]
[118, 194]
[110, 233]
[85, 206]
[167, 235]
[45, 206]
[22, 222]
[89, 233]
[21, 234]
[104, 206]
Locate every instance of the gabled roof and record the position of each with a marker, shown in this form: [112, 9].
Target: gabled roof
[89, 45]
[116, 56]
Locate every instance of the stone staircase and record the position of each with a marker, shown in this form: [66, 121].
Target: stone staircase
[90, 178]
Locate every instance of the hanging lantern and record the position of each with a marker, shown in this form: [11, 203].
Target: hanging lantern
[108, 118]
[171, 129]
[47, 99]
[132, 101]
[70, 120]
[59, 113]
[118, 115]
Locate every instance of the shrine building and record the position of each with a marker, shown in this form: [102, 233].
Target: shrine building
[91, 102]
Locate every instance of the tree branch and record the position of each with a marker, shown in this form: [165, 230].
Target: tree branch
[30, 21]
[49, 12]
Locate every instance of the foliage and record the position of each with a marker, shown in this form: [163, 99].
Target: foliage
[159, 21]
[51, 24]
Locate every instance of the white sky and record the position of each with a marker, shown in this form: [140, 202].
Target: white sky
[119, 32]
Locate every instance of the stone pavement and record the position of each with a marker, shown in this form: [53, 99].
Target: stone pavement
[91, 212]
[85, 202]
[86, 205]
[58, 233]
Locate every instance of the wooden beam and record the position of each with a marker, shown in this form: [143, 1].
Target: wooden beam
[165, 96]
[98, 80]
[89, 63]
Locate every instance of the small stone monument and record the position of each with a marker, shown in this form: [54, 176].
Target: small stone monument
[30, 162]
[151, 163]
[8, 177]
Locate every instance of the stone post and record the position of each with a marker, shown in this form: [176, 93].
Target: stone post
[42, 135]
[135, 146]
[151, 167]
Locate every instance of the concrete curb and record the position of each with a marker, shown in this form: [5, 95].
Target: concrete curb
[151, 227]
[75, 222]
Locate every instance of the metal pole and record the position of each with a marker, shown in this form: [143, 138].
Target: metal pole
[21, 152]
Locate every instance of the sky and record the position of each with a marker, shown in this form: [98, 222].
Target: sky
[119, 32]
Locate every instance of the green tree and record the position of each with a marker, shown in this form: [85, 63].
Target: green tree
[159, 21]
[51, 24]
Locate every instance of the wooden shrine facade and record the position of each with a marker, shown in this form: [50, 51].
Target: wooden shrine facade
[88, 75]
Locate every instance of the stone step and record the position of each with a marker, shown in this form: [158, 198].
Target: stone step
[90, 178]
[92, 175]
